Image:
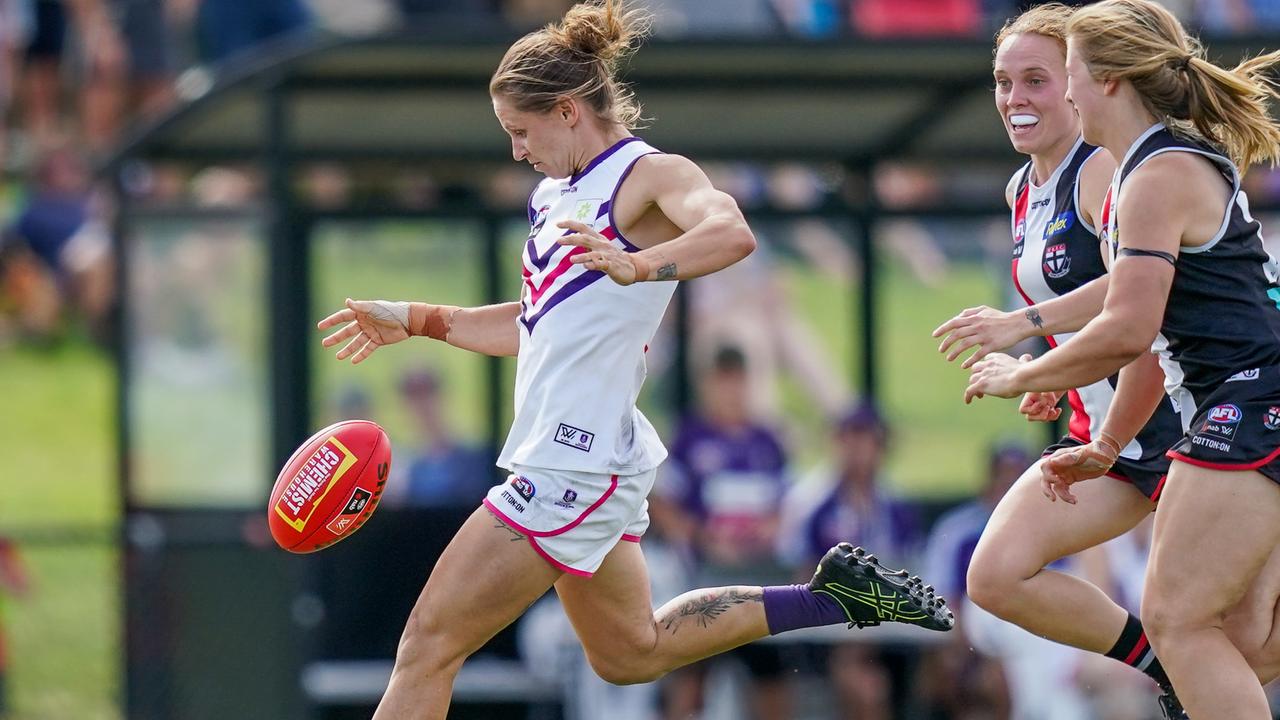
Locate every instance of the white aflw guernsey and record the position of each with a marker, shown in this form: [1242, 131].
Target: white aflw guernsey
[582, 336]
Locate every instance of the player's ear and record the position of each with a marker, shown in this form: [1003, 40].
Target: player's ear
[566, 110]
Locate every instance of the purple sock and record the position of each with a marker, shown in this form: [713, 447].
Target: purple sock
[790, 607]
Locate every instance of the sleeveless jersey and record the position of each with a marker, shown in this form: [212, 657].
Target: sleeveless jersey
[1221, 323]
[583, 336]
[1056, 251]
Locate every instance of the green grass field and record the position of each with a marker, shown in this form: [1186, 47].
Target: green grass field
[58, 497]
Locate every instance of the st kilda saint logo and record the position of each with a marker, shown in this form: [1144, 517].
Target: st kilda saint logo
[1056, 261]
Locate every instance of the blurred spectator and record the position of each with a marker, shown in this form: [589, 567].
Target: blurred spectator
[228, 27]
[991, 664]
[103, 59]
[714, 18]
[147, 30]
[15, 30]
[718, 501]
[954, 681]
[443, 471]
[1118, 567]
[916, 18]
[849, 502]
[13, 582]
[1237, 16]
[57, 252]
[747, 306]
[956, 532]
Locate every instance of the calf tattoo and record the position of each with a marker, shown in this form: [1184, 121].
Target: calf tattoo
[709, 606]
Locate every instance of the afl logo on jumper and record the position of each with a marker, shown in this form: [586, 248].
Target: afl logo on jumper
[524, 487]
[1222, 421]
[1019, 234]
[1272, 419]
[1056, 261]
[1225, 414]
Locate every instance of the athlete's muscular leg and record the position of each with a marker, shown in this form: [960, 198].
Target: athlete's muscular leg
[627, 642]
[1214, 533]
[487, 577]
[1253, 626]
[1027, 532]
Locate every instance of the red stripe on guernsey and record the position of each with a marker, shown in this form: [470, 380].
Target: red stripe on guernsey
[1079, 425]
[536, 291]
[1224, 466]
[1020, 221]
[1137, 650]
[631, 538]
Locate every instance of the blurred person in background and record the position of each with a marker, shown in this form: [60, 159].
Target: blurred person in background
[849, 499]
[57, 253]
[994, 665]
[748, 305]
[441, 470]
[225, 28]
[13, 582]
[916, 18]
[1245, 17]
[1118, 568]
[83, 30]
[15, 31]
[717, 501]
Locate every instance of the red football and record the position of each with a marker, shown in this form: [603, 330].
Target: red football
[330, 486]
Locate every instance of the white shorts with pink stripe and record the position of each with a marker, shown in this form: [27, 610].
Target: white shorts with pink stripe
[573, 519]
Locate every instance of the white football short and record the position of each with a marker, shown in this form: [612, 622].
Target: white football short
[573, 519]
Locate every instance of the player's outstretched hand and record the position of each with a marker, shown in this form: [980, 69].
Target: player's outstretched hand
[595, 252]
[982, 327]
[1071, 465]
[993, 375]
[369, 324]
[1041, 406]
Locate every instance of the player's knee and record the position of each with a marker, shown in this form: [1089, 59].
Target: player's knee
[428, 643]
[627, 660]
[620, 670]
[990, 585]
[1165, 620]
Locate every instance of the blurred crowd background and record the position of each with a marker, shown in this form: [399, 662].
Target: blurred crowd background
[775, 459]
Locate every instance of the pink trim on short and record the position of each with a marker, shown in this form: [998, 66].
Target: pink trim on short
[1224, 466]
[613, 485]
[554, 562]
[631, 538]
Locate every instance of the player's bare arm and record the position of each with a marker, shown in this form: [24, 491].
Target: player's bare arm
[1139, 391]
[706, 229]
[1155, 208]
[990, 330]
[370, 324]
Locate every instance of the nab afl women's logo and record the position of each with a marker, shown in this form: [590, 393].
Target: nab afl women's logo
[1272, 419]
[1056, 261]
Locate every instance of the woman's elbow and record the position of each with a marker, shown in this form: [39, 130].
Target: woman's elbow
[744, 241]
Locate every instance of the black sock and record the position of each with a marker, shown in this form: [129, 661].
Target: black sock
[1133, 650]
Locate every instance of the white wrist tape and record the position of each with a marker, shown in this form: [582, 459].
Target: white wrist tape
[389, 310]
